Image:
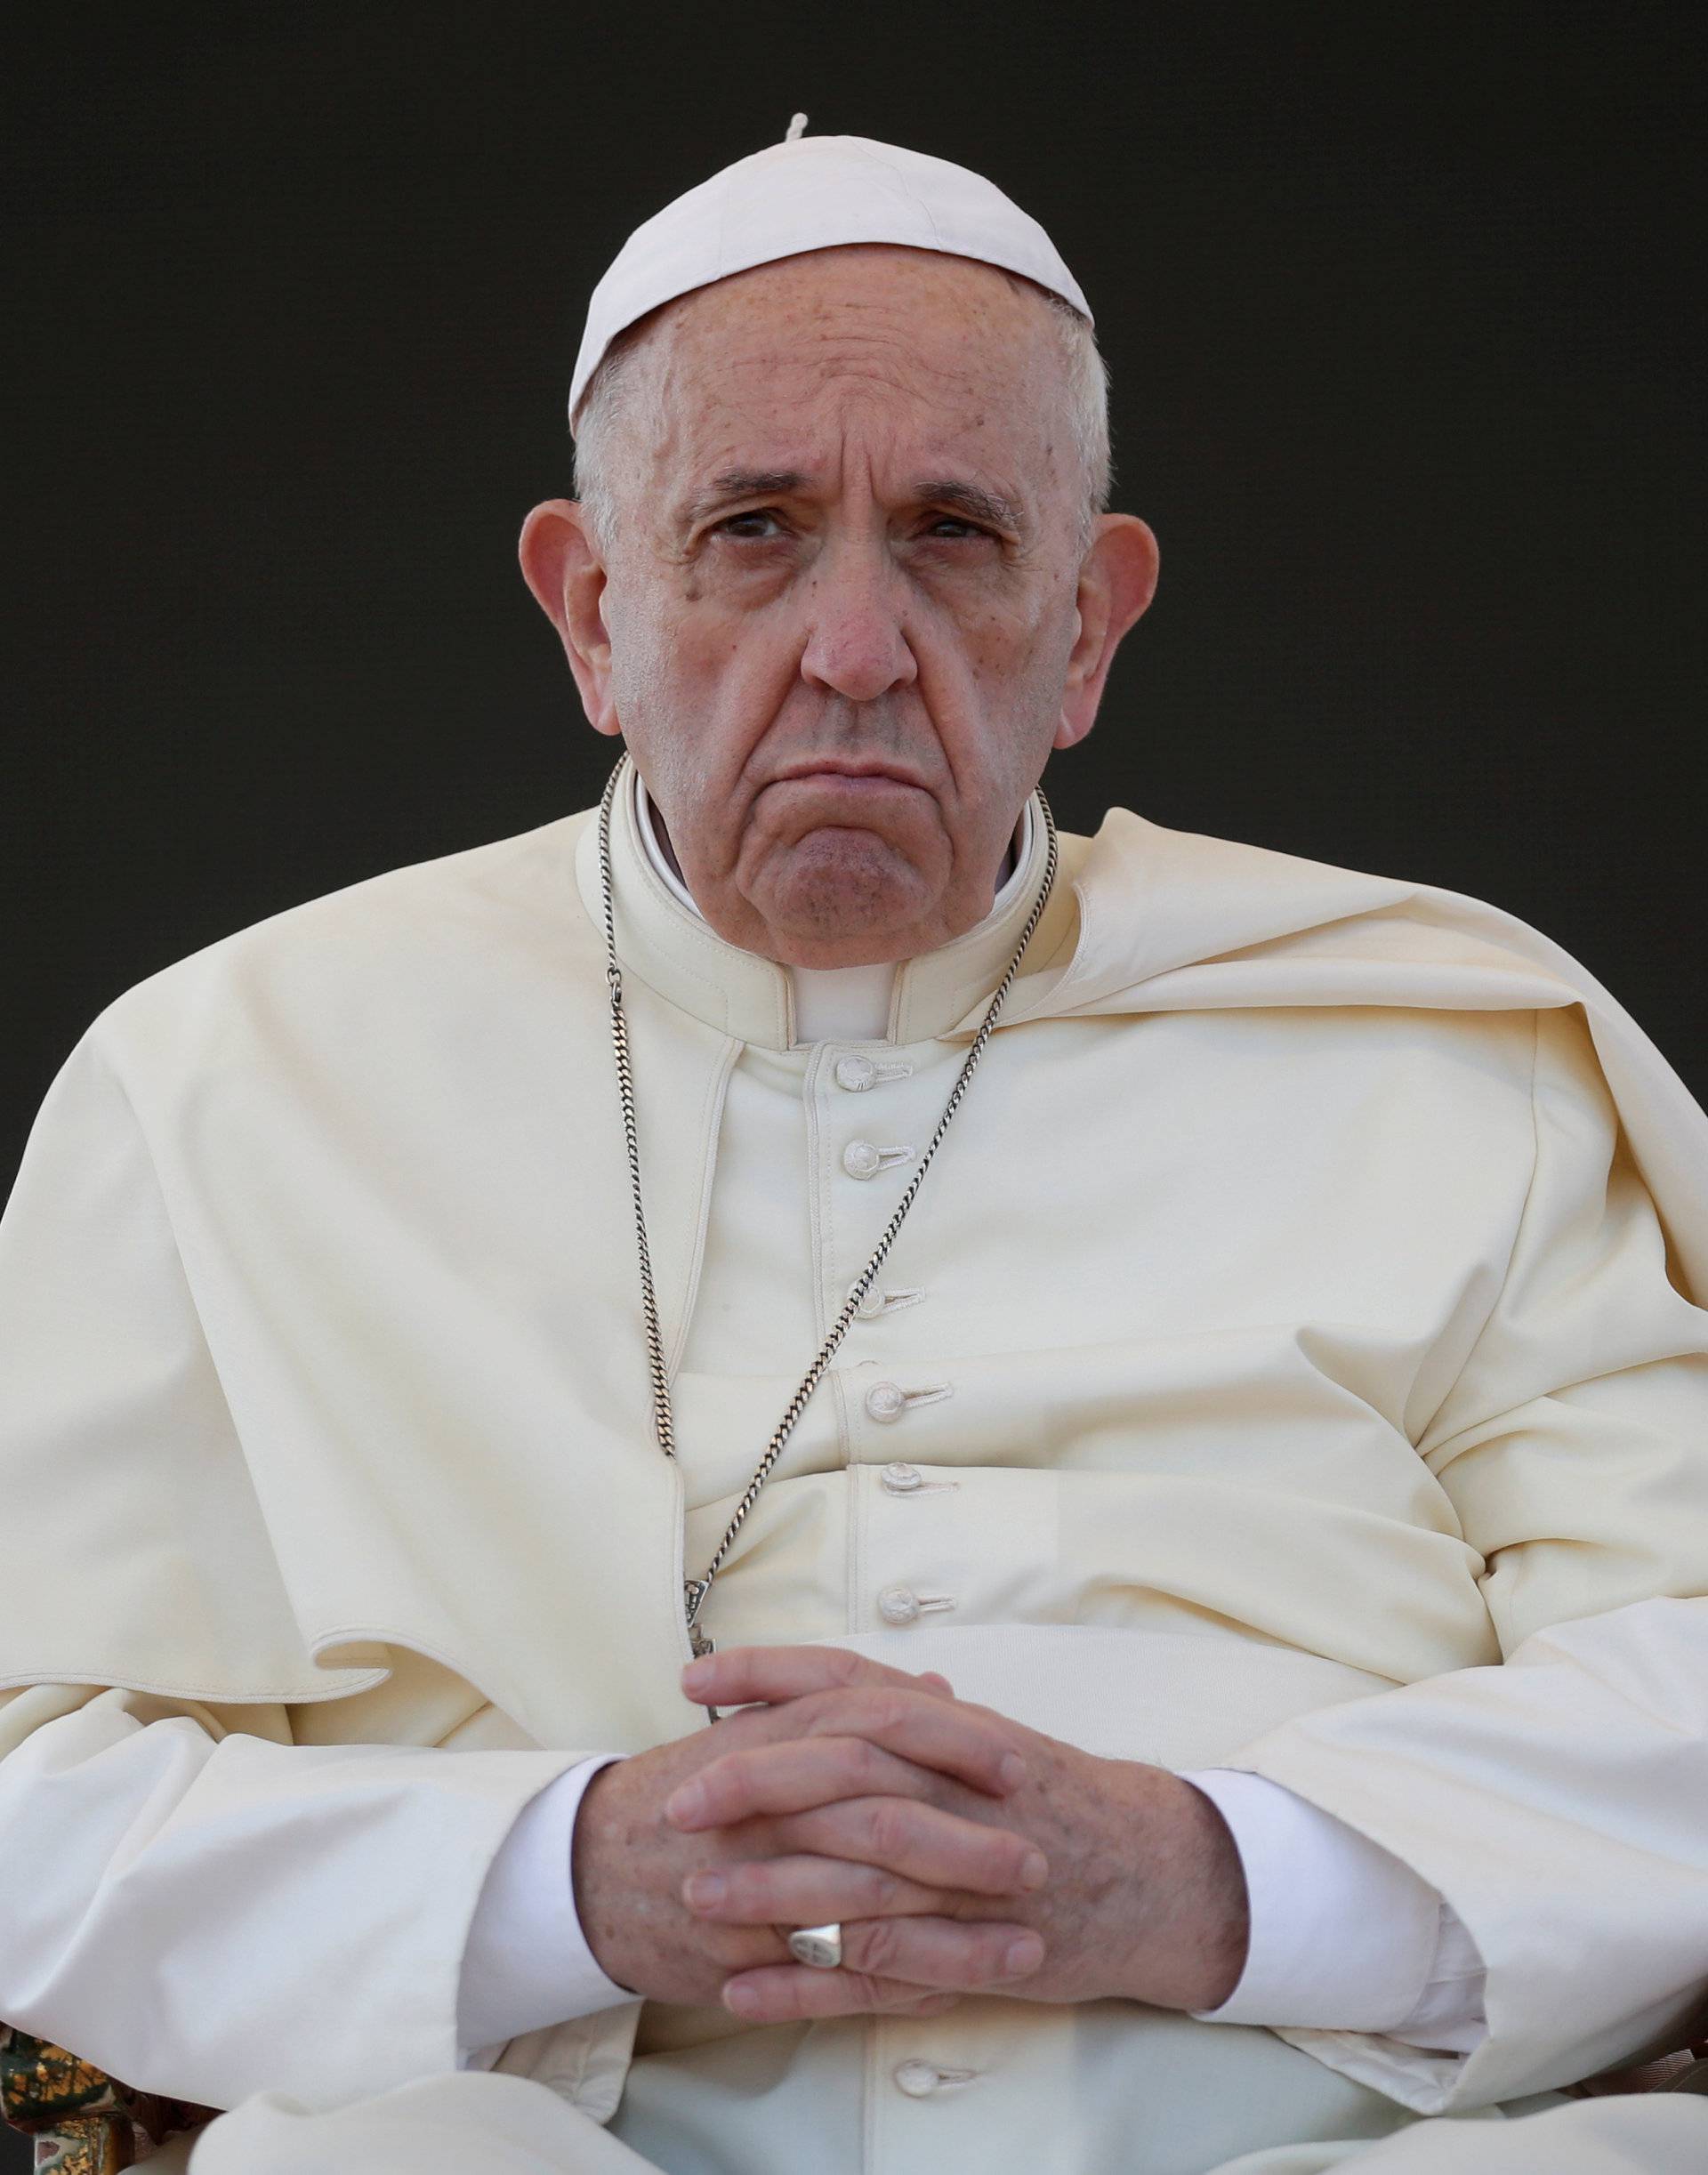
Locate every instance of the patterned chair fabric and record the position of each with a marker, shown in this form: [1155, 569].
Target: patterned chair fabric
[83, 2121]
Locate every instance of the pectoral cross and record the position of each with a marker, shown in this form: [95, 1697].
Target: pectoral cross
[693, 1593]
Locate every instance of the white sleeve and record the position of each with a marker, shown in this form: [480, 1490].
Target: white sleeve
[207, 1916]
[1344, 1936]
[527, 1962]
[1555, 1798]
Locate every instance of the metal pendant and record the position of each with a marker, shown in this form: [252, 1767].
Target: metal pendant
[693, 1593]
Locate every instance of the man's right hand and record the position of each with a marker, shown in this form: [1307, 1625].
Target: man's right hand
[884, 1745]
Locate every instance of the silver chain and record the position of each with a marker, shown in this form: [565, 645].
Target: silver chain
[694, 1590]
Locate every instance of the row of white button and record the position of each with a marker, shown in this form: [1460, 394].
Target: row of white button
[865, 1159]
[886, 1402]
[899, 1605]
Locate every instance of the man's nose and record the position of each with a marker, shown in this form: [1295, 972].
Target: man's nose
[857, 646]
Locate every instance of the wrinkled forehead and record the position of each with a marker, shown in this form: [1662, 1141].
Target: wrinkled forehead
[939, 348]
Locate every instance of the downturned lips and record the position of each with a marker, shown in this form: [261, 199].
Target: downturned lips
[841, 770]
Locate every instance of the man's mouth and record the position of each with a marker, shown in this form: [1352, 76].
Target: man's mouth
[845, 774]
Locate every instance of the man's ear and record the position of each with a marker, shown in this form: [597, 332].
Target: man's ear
[562, 565]
[1118, 579]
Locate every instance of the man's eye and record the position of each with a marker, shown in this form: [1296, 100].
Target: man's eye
[953, 528]
[758, 523]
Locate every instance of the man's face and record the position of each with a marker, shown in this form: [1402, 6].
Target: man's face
[838, 621]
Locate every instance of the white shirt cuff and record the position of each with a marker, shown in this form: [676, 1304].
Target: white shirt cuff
[527, 1961]
[1344, 1936]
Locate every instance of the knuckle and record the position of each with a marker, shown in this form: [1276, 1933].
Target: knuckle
[881, 1709]
[887, 1892]
[1001, 1853]
[888, 1823]
[879, 1944]
[817, 1713]
[1016, 1851]
[865, 1764]
[718, 1775]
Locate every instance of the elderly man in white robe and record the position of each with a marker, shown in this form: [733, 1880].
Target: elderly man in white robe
[1160, 1386]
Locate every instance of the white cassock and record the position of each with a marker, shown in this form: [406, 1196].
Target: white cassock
[1289, 1367]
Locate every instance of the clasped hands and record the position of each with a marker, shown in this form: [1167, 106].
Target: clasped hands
[961, 1852]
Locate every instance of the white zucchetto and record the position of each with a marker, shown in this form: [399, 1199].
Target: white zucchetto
[813, 192]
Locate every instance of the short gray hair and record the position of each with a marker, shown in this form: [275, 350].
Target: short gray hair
[609, 398]
[1088, 406]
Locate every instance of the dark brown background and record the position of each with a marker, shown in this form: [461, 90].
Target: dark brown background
[1406, 379]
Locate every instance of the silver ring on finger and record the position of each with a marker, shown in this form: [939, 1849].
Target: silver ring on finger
[821, 1947]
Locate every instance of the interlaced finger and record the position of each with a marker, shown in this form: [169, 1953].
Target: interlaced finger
[793, 1776]
[742, 1675]
[886, 1961]
[921, 1842]
[783, 1993]
[806, 1891]
[962, 1742]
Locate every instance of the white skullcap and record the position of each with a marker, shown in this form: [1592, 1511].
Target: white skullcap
[813, 192]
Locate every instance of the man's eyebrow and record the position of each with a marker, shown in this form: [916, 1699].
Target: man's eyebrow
[973, 500]
[743, 483]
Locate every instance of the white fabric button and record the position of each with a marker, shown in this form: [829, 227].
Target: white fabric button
[897, 1605]
[887, 1401]
[857, 1073]
[866, 1158]
[918, 2080]
[902, 1479]
[877, 1302]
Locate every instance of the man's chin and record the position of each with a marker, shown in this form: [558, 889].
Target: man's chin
[846, 892]
[823, 936]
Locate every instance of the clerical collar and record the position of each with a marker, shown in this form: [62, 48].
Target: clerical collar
[662, 936]
[842, 1004]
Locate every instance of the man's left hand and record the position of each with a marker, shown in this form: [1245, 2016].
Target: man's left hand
[1145, 1898]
